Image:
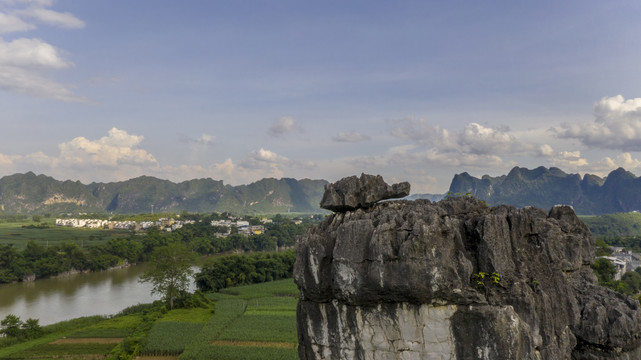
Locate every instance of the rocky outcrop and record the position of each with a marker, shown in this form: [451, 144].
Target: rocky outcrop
[353, 193]
[457, 280]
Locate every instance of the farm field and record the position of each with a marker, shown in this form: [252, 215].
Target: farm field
[19, 236]
[248, 322]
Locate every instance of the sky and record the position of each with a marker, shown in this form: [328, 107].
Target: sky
[418, 91]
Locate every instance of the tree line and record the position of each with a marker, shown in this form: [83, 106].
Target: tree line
[234, 270]
[44, 261]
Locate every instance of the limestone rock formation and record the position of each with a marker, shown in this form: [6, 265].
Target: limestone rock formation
[353, 193]
[457, 280]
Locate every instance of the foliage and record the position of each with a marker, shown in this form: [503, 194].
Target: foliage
[628, 242]
[94, 250]
[632, 280]
[604, 270]
[614, 225]
[233, 270]
[13, 327]
[170, 271]
[482, 278]
[602, 248]
[282, 289]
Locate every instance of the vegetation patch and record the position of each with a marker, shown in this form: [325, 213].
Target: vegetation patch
[170, 338]
[283, 345]
[61, 350]
[249, 353]
[276, 328]
[197, 315]
[87, 341]
[281, 288]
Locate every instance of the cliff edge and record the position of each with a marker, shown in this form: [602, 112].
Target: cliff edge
[456, 280]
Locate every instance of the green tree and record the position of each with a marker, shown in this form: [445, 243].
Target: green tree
[633, 281]
[604, 270]
[11, 326]
[170, 271]
[31, 328]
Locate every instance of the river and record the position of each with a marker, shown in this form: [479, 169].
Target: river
[76, 295]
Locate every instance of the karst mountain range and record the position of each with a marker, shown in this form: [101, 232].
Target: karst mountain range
[619, 191]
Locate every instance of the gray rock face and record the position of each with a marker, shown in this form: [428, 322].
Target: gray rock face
[353, 193]
[457, 280]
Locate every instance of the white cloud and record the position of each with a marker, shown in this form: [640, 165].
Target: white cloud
[617, 125]
[118, 148]
[262, 157]
[24, 61]
[22, 81]
[27, 53]
[283, 125]
[546, 150]
[624, 160]
[573, 161]
[569, 160]
[474, 138]
[36, 2]
[54, 18]
[351, 137]
[6, 161]
[11, 23]
[204, 140]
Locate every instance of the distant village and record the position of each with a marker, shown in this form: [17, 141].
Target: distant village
[166, 224]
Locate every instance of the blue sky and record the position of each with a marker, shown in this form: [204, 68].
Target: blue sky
[415, 91]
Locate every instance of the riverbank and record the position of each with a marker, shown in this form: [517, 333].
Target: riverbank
[75, 295]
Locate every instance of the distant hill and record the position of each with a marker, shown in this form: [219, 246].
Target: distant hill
[31, 193]
[612, 225]
[620, 191]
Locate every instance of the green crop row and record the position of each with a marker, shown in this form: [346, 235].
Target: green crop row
[60, 350]
[267, 328]
[247, 353]
[170, 338]
[271, 305]
[227, 311]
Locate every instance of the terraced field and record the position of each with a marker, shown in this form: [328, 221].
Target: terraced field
[249, 322]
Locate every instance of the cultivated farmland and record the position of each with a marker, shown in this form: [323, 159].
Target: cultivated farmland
[248, 322]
